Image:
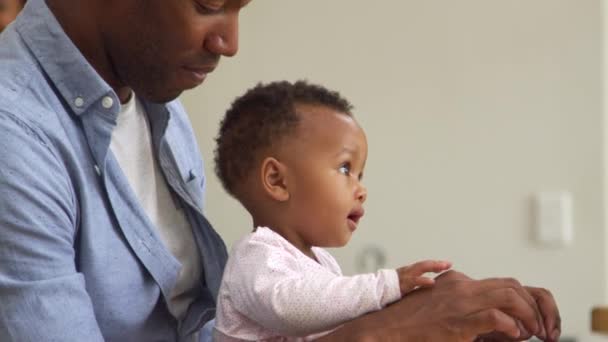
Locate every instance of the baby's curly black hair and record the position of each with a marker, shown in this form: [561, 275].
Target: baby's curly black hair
[260, 118]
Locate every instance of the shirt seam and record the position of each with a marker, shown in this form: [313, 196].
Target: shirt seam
[32, 132]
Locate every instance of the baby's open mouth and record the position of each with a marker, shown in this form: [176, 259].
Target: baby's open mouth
[356, 214]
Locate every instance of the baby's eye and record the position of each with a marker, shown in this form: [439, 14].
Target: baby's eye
[345, 168]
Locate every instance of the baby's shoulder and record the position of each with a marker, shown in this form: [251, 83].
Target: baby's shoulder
[260, 252]
[262, 241]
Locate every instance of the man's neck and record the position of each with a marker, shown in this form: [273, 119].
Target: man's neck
[80, 21]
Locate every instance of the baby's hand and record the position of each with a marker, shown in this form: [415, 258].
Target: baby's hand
[411, 277]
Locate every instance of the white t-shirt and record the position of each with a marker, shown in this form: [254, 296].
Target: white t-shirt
[131, 144]
[272, 291]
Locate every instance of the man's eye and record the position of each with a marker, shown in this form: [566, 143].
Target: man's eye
[345, 169]
[209, 7]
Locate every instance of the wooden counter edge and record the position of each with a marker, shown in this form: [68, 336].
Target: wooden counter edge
[599, 320]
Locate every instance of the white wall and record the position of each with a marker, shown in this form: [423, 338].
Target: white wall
[470, 108]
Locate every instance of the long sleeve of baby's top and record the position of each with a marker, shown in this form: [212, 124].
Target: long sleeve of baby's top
[273, 284]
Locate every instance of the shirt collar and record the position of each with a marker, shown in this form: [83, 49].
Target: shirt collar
[75, 79]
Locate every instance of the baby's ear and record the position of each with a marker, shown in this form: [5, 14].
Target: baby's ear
[274, 179]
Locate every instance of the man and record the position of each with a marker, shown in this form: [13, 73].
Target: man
[101, 186]
[8, 11]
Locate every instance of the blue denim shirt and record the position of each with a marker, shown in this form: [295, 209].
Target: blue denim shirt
[79, 259]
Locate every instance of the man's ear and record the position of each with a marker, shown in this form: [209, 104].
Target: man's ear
[274, 179]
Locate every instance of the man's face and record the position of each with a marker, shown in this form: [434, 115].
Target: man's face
[8, 11]
[160, 48]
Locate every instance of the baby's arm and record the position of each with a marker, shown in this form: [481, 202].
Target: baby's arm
[412, 276]
[271, 289]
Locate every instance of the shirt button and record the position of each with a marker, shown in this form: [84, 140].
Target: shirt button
[79, 102]
[107, 102]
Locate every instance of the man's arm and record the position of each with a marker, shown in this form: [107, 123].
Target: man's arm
[459, 309]
[42, 296]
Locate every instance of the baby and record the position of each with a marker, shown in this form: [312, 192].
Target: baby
[293, 155]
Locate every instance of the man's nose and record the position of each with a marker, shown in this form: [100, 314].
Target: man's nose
[224, 40]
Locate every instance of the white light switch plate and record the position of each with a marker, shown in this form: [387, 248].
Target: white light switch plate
[553, 218]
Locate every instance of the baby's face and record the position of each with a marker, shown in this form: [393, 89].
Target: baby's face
[326, 158]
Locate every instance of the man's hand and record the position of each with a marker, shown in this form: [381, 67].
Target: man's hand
[459, 309]
[549, 312]
[549, 318]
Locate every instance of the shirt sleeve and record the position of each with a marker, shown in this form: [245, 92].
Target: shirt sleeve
[271, 288]
[42, 296]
